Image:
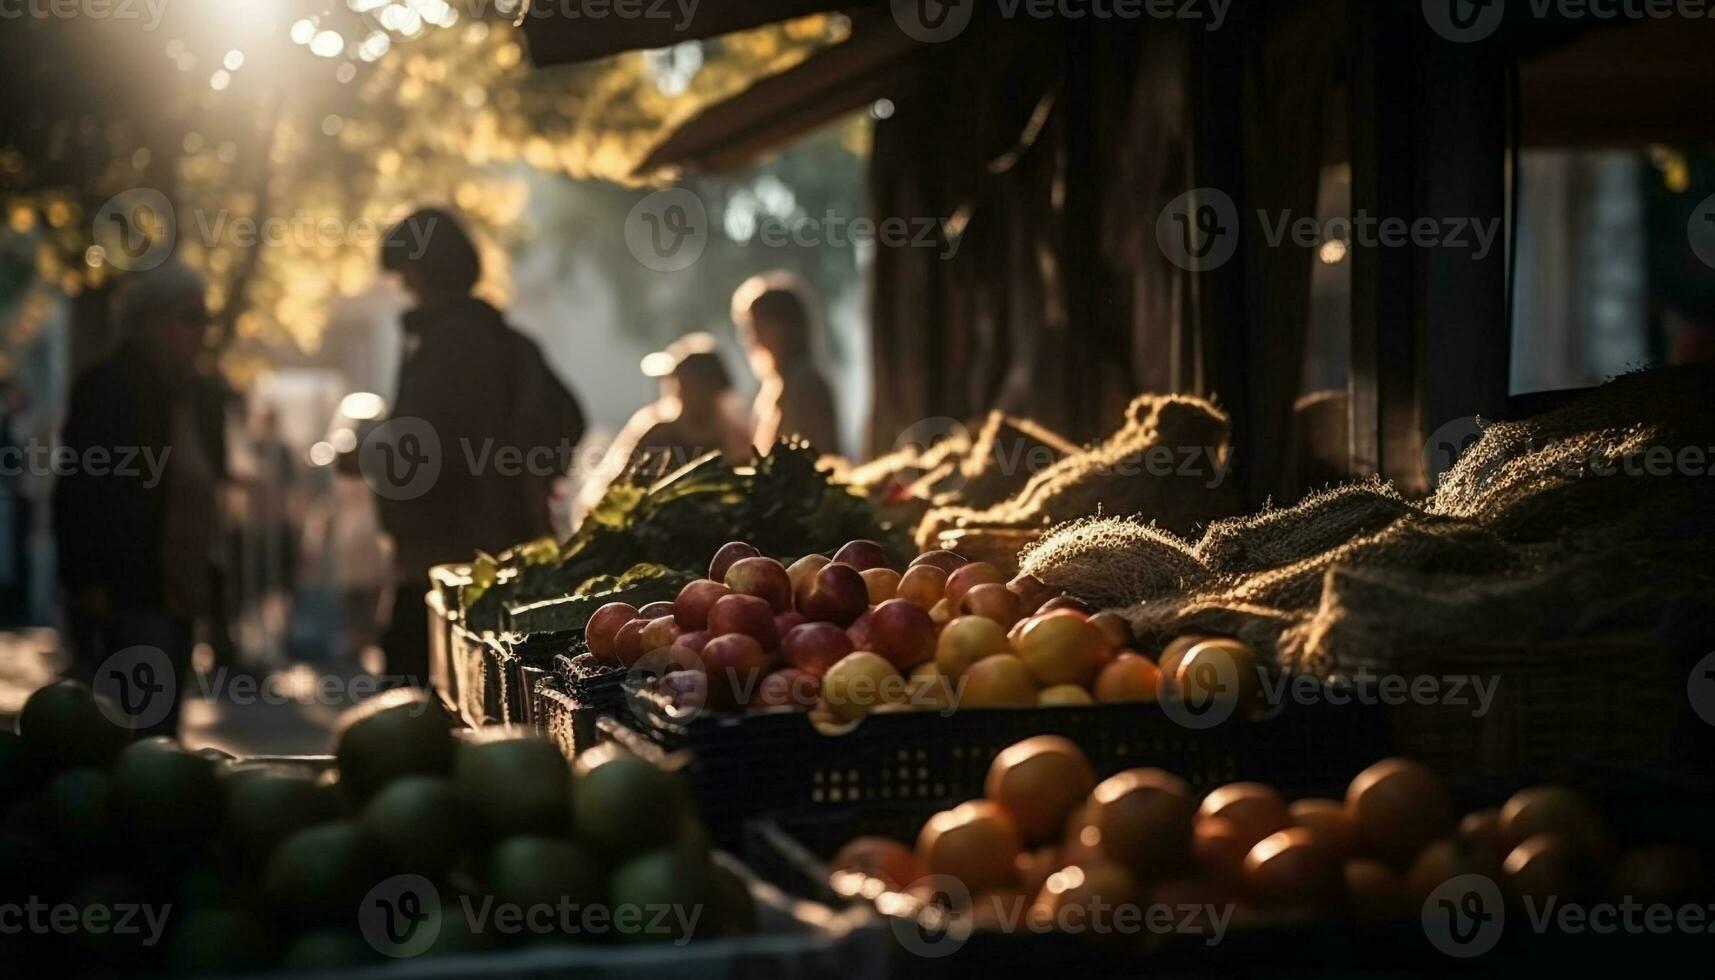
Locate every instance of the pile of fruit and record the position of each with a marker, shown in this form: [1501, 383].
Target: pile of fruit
[1050, 845]
[252, 865]
[851, 634]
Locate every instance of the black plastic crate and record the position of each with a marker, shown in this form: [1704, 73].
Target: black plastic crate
[744, 765]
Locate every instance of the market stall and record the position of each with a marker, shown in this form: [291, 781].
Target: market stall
[1156, 701]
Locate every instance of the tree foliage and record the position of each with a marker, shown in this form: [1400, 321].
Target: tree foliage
[282, 157]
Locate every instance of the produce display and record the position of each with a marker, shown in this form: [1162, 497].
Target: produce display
[851, 633]
[419, 840]
[783, 503]
[1050, 847]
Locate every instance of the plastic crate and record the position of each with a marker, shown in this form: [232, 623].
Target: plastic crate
[476, 670]
[442, 601]
[744, 765]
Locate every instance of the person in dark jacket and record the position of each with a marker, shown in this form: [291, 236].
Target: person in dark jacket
[142, 455]
[475, 398]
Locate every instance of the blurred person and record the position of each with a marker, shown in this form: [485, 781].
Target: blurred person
[692, 416]
[485, 392]
[774, 323]
[15, 507]
[135, 516]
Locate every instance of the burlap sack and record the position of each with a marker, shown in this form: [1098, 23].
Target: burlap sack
[1168, 461]
[1541, 522]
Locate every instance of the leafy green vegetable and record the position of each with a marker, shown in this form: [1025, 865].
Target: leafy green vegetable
[782, 505]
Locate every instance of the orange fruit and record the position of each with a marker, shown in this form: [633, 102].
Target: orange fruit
[1040, 781]
[1127, 677]
[1062, 650]
[1255, 809]
[1554, 810]
[1544, 866]
[1000, 681]
[879, 857]
[1144, 818]
[1331, 824]
[1080, 896]
[976, 843]
[1221, 672]
[1398, 806]
[1220, 849]
[1174, 652]
[1289, 868]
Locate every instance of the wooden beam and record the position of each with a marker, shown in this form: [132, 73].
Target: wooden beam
[559, 32]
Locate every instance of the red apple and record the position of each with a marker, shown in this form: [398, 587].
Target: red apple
[691, 609]
[762, 577]
[628, 642]
[735, 665]
[655, 610]
[862, 555]
[695, 640]
[858, 632]
[786, 622]
[960, 580]
[660, 633]
[1032, 592]
[744, 614]
[814, 647]
[730, 552]
[837, 595]
[603, 625]
[803, 572]
[902, 633]
[991, 601]
[789, 688]
[946, 561]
